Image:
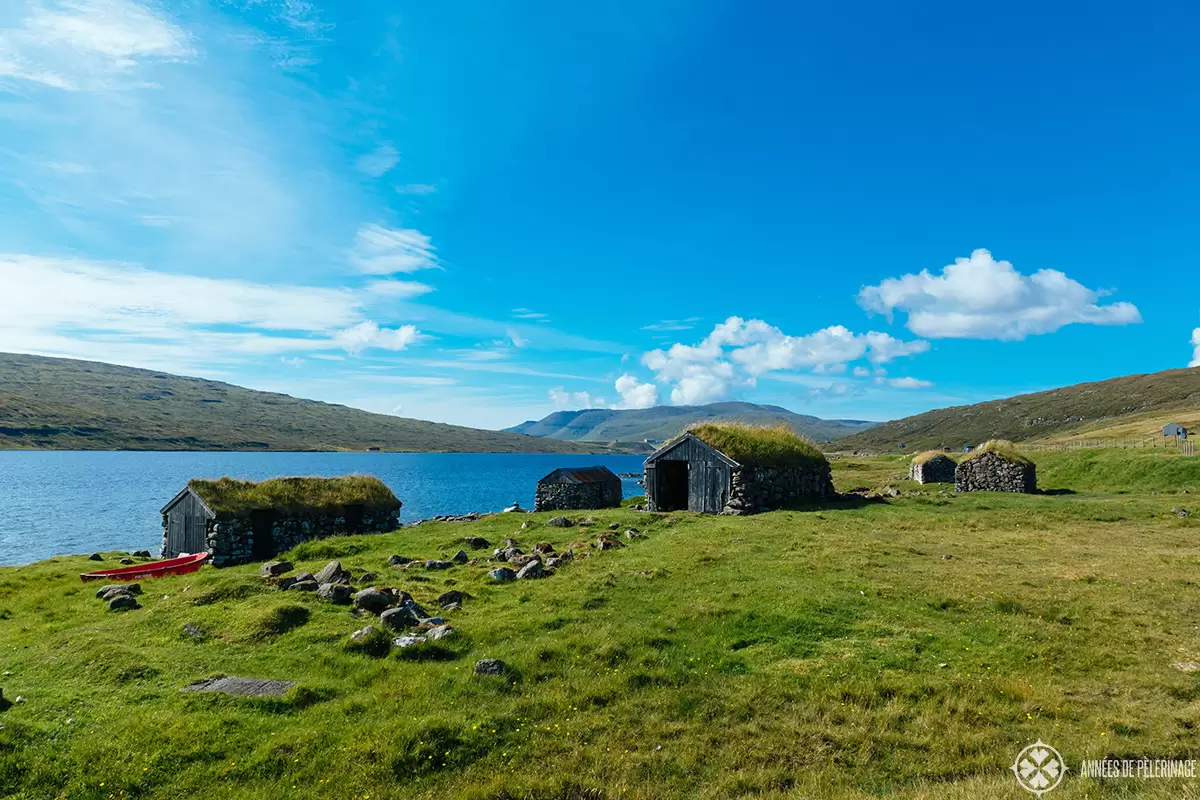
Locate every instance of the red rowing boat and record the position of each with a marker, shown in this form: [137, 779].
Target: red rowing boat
[155, 569]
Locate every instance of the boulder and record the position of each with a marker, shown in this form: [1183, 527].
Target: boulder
[126, 562]
[193, 630]
[607, 543]
[374, 601]
[520, 561]
[333, 573]
[132, 588]
[531, 570]
[461, 557]
[338, 593]
[502, 575]
[142, 554]
[477, 543]
[434, 563]
[632, 533]
[553, 563]
[285, 583]
[440, 632]
[398, 561]
[560, 522]
[408, 641]
[95, 557]
[306, 576]
[273, 569]
[123, 602]
[304, 586]
[490, 666]
[452, 596]
[612, 526]
[544, 548]
[368, 577]
[363, 634]
[401, 618]
[452, 607]
[509, 543]
[115, 591]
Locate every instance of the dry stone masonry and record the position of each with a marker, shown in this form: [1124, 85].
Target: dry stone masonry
[939, 469]
[992, 472]
[757, 489]
[577, 489]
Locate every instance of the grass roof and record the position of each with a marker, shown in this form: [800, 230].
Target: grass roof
[1001, 447]
[759, 445]
[929, 455]
[228, 495]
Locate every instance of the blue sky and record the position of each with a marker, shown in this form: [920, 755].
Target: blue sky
[479, 212]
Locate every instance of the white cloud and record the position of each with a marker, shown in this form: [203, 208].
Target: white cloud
[88, 44]
[379, 161]
[392, 289]
[386, 251]
[123, 312]
[1195, 343]
[563, 399]
[738, 351]
[908, 383]
[359, 337]
[981, 298]
[635, 394]
[525, 313]
[861, 372]
[672, 325]
[517, 340]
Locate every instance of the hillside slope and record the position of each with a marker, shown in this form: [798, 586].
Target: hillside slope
[60, 404]
[663, 422]
[1057, 412]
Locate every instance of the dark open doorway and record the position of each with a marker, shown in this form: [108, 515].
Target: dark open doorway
[672, 492]
[263, 543]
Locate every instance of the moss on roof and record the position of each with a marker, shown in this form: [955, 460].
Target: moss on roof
[1001, 447]
[929, 455]
[231, 496]
[759, 445]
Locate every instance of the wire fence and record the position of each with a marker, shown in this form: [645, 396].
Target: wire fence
[1186, 447]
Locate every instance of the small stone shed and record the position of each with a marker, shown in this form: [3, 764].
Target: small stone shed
[996, 466]
[932, 466]
[736, 469]
[242, 521]
[577, 488]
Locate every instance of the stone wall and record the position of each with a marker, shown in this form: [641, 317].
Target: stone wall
[231, 538]
[991, 472]
[939, 469]
[756, 489]
[577, 496]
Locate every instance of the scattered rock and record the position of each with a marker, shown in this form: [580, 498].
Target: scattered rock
[531, 570]
[368, 577]
[452, 607]
[1187, 666]
[1180, 512]
[461, 557]
[509, 543]
[399, 561]
[520, 561]
[131, 588]
[374, 601]
[408, 641]
[943, 665]
[126, 561]
[947, 557]
[305, 586]
[607, 543]
[338, 593]
[142, 554]
[632, 534]
[514, 508]
[273, 569]
[431, 622]
[553, 563]
[362, 634]
[398, 619]
[333, 573]
[589, 521]
[95, 557]
[613, 526]
[305, 576]
[491, 666]
[450, 597]
[544, 548]
[193, 630]
[123, 602]
[285, 583]
[477, 543]
[527, 524]
[560, 522]
[241, 687]
[440, 632]
[502, 575]
[437, 564]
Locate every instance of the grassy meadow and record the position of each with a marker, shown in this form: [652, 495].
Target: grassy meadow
[906, 647]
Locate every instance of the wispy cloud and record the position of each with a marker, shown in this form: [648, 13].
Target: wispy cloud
[386, 251]
[672, 325]
[526, 313]
[379, 161]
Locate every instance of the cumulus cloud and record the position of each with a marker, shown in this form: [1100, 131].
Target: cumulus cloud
[635, 394]
[907, 383]
[386, 251]
[563, 399]
[132, 315]
[738, 351]
[379, 161]
[1195, 343]
[981, 298]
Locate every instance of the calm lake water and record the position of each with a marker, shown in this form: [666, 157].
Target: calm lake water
[53, 503]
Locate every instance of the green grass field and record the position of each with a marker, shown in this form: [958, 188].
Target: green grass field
[907, 648]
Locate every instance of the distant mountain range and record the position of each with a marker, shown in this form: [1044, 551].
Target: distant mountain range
[60, 404]
[663, 422]
[1125, 408]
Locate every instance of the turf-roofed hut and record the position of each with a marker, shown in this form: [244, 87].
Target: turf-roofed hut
[730, 468]
[996, 466]
[932, 466]
[577, 488]
[240, 521]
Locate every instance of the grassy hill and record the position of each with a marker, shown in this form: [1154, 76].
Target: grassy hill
[1136, 406]
[55, 403]
[907, 649]
[664, 422]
